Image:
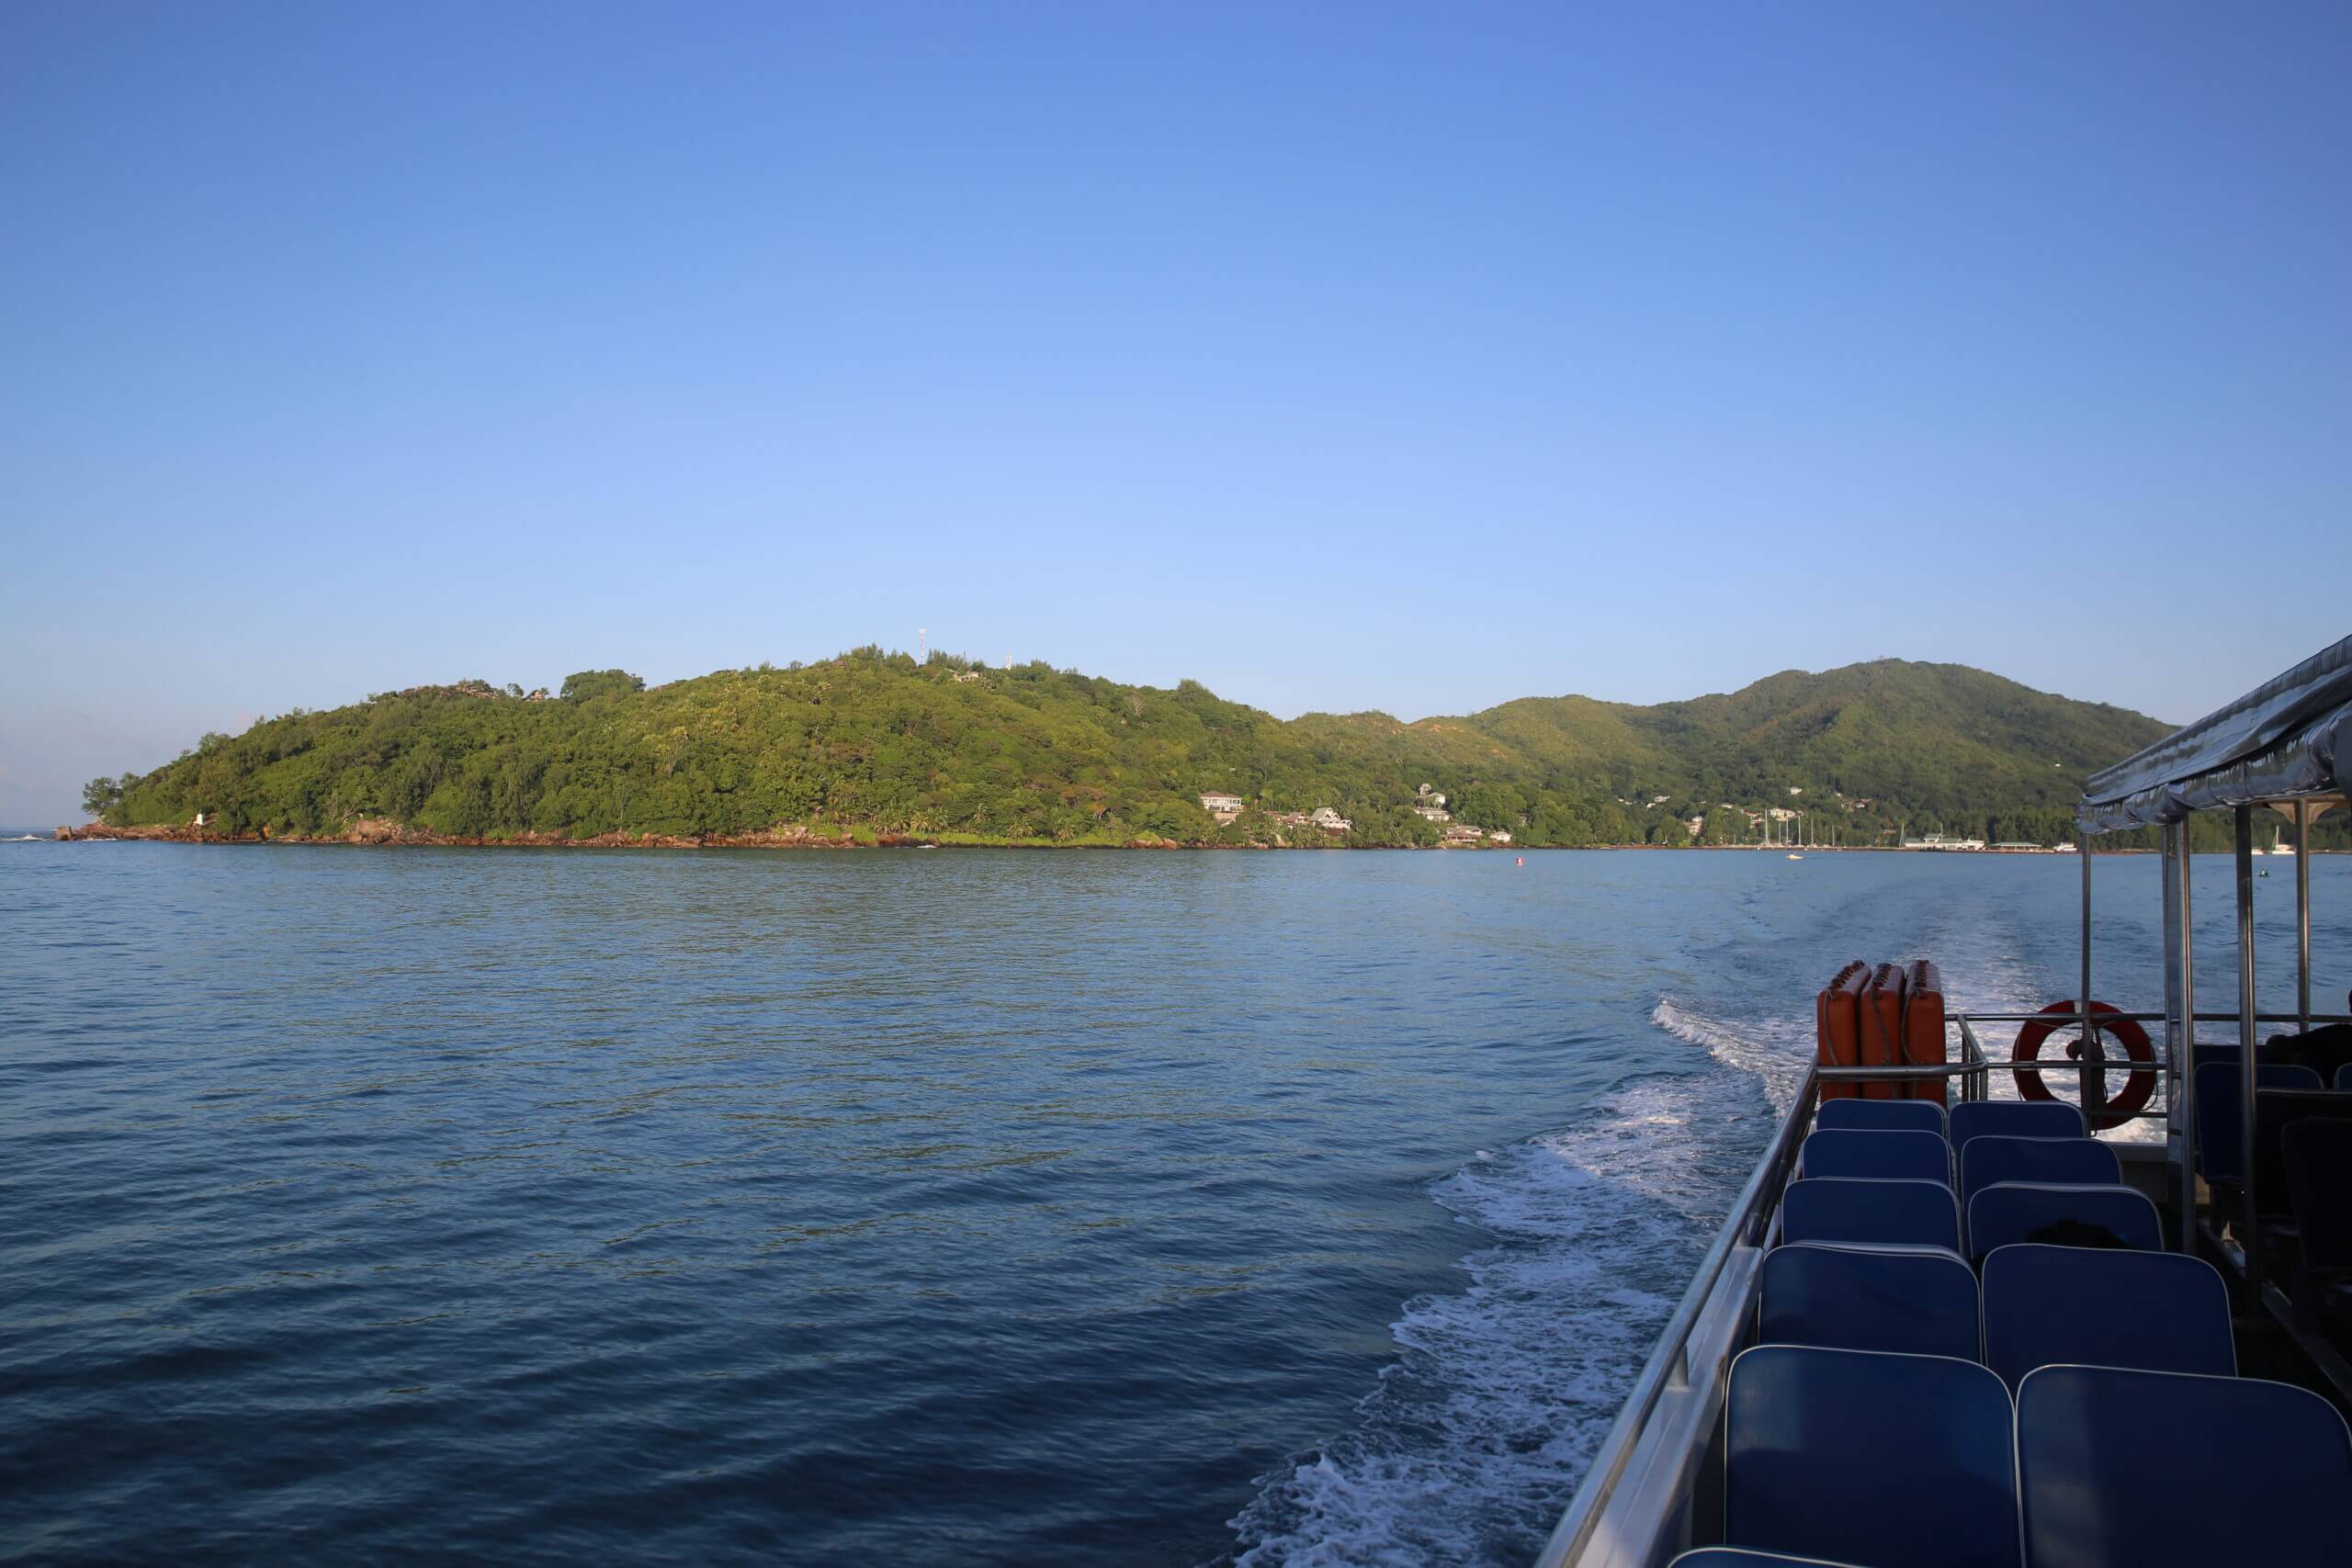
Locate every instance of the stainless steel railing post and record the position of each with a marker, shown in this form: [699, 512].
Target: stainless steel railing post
[2184, 1106]
[2248, 1216]
[2094, 1085]
[2303, 916]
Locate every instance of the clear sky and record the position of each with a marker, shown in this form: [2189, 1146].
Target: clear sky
[1337, 356]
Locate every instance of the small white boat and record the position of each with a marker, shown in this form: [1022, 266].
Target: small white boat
[1793, 855]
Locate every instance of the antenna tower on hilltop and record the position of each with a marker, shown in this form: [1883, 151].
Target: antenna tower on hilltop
[922, 646]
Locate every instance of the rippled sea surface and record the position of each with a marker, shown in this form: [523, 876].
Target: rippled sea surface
[928, 1208]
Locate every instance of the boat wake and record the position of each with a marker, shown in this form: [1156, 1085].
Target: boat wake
[1777, 1051]
[1476, 1435]
[1475, 1438]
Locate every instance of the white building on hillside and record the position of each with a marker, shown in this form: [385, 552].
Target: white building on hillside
[1223, 807]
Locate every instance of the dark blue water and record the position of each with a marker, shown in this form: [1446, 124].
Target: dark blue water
[923, 1207]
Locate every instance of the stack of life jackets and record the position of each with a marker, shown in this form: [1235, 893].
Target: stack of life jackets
[1887, 1016]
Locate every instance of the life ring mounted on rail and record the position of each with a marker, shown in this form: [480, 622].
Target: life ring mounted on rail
[2137, 1088]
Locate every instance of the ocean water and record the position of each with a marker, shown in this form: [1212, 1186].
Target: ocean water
[930, 1208]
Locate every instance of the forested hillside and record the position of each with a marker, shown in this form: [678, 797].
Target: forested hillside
[871, 744]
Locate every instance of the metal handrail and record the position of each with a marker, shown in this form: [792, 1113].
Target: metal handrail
[1982, 1071]
[2075, 1017]
[1980, 1082]
[1954, 1069]
[1670, 1362]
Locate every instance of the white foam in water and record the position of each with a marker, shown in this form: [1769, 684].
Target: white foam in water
[1475, 1439]
[1777, 1051]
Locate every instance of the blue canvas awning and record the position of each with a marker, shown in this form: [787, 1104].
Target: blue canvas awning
[2280, 741]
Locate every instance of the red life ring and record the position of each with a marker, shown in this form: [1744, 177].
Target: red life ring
[2137, 1088]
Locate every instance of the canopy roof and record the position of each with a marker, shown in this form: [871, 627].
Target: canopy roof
[2280, 741]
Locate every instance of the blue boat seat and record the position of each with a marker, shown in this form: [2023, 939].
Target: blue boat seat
[2008, 1212]
[1917, 1300]
[2221, 1131]
[2275, 1111]
[1868, 1458]
[1880, 1116]
[2318, 1155]
[1885, 1156]
[2161, 1312]
[1740, 1557]
[2162, 1470]
[2014, 1119]
[1986, 1160]
[1907, 1214]
[2278, 1048]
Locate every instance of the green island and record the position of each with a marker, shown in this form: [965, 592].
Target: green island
[871, 747]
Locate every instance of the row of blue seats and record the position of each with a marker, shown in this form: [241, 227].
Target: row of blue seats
[1894, 1369]
[1921, 1157]
[2220, 1127]
[2057, 1410]
[2317, 1157]
[1918, 1140]
[2292, 1075]
[2024, 1168]
[1869, 1457]
[2156, 1311]
[1925, 1214]
[1967, 1120]
[2217, 1088]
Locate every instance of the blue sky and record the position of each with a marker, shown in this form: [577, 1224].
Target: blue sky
[1341, 357]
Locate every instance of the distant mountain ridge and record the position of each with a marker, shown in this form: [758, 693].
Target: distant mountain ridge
[872, 744]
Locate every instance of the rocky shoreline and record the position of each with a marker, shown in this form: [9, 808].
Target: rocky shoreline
[381, 831]
[384, 831]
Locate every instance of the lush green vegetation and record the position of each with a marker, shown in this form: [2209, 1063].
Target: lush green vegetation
[871, 743]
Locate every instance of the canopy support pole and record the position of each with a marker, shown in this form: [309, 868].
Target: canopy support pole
[2180, 1029]
[2249, 1224]
[2302, 917]
[2094, 1084]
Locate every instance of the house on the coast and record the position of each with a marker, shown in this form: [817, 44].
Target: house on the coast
[1330, 821]
[1223, 807]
